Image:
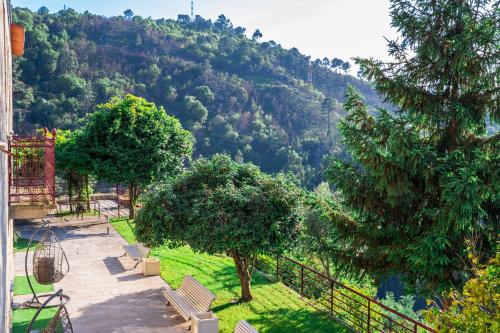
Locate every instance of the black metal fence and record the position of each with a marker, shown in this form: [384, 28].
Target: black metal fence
[361, 313]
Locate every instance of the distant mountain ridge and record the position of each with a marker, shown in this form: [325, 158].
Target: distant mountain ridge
[237, 95]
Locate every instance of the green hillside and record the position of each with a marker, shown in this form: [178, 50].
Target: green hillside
[237, 95]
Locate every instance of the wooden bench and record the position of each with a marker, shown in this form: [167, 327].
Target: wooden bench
[244, 327]
[136, 251]
[190, 298]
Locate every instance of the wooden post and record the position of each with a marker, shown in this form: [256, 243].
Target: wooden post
[302, 280]
[331, 297]
[277, 268]
[118, 200]
[369, 316]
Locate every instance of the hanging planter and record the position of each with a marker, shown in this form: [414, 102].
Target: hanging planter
[50, 263]
[17, 39]
[49, 259]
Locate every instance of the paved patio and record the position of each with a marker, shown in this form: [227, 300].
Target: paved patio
[107, 294]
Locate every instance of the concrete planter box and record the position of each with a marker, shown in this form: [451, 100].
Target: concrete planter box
[150, 266]
[24, 212]
[205, 322]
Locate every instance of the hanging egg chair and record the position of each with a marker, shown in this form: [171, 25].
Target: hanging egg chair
[50, 263]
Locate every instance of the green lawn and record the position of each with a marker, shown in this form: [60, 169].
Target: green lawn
[275, 309]
[22, 243]
[64, 213]
[22, 317]
[21, 286]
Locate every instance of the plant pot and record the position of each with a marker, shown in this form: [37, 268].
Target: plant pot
[150, 266]
[17, 39]
[205, 322]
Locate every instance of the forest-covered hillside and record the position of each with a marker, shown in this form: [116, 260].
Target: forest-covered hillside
[237, 95]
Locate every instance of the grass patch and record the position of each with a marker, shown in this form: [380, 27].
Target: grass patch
[21, 318]
[21, 286]
[274, 309]
[21, 244]
[125, 228]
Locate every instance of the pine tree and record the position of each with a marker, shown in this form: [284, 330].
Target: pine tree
[424, 178]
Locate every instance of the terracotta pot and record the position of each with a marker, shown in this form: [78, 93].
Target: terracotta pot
[17, 39]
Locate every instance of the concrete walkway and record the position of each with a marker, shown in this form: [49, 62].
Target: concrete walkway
[107, 294]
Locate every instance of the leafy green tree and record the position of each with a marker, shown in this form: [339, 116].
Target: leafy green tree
[325, 62]
[425, 177]
[477, 307]
[204, 94]
[43, 10]
[220, 206]
[319, 239]
[128, 14]
[223, 23]
[336, 64]
[183, 19]
[131, 141]
[74, 165]
[257, 35]
[194, 113]
[346, 66]
[328, 106]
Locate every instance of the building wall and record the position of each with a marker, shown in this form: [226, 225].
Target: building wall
[6, 228]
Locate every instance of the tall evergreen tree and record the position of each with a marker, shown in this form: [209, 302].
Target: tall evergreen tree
[425, 178]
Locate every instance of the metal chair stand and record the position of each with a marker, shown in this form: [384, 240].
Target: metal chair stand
[48, 265]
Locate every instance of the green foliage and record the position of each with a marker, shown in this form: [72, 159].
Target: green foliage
[74, 165]
[237, 96]
[477, 307]
[195, 113]
[220, 206]
[320, 241]
[131, 141]
[404, 305]
[420, 181]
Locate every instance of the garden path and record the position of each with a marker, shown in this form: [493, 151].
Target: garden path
[107, 293]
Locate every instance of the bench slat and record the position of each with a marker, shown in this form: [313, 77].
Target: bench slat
[185, 309]
[132, 252]
[137, 251]
[190, 298]
[244, 327]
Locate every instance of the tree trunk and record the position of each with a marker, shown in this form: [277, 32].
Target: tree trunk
[132, 194]
[70, 194]
[87, 189]
[242, 268]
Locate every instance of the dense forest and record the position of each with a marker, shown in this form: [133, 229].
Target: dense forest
[251, 99]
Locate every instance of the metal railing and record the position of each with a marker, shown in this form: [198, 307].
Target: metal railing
[359, 312]
[80, 207]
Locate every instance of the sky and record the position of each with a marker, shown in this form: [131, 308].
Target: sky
[319, 28]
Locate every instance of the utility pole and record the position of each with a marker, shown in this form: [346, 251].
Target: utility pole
[192, 9]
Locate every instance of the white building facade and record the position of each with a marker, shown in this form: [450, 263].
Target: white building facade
[6, 227]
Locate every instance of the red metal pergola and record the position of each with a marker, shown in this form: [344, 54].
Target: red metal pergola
[32, 169]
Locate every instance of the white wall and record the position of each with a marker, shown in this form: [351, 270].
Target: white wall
[6, 255]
